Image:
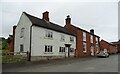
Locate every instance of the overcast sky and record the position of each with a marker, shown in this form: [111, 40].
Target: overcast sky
[100, 15]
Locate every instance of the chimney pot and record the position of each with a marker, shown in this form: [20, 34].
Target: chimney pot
[68, 20]
[92, 31]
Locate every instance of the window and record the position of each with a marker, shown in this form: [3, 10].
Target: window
[84, 46]
[22, 33]
[62, 37]
[62, 49]
[71, 49]
[97, 48]
[91, 38]
[72, 39]
[84, 36]
[48, 48]
[96, 40]
[49, 34]
[21, 47]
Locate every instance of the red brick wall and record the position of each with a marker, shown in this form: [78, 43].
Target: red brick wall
[88, 43]
[118, 47]
[104, 45]
[113, 49]
[79, 45]
[79, 41]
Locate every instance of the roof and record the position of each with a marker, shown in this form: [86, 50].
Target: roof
[108, 42]
[85, 31]
[49, 25]
[117, 42]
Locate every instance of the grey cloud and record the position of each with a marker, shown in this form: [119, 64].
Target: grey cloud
[101, 16]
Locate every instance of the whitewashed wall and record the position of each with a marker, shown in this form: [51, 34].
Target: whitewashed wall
[24, 22]
[39, 41]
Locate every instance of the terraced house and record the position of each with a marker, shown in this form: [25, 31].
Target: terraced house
[87, 43]
[43, 38]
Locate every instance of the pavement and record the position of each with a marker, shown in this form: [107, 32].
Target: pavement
[88, 64]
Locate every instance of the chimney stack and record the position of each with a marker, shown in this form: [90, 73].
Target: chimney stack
[92, 31]
[68, 20]
[14, 27]
[46, 16]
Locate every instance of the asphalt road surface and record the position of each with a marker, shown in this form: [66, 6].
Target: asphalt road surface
[72, 65]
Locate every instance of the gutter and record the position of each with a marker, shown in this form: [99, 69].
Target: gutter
[30, 43]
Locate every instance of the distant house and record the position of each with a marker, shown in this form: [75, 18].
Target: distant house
[106, 46]
[87, 43]
[43, 38]
[117, 44]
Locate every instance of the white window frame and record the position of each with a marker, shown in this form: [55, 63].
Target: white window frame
[84, 47]
[22, 32]
[97, 40]
[71, 39]
[21, 48]
[62, 37]
[61, 49]
[49, 34]
[91, 38]
[84, 36]
[48, 48]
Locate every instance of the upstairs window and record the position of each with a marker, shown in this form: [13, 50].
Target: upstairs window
[48, 48]
[84, 36]
[72, 39]
[62, 49]
[62, 37]
[49, 34]
[22, 32]
[91, 38]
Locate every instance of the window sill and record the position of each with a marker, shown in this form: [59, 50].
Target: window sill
[84, 51]
[48, 38]
[61, 52]
[62, 40]
[71, 41]
[48, 52]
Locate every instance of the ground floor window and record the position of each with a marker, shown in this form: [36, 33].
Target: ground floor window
[97, 49]
[84, 47]
[71, 49]
[21, 48]
[48, 48]
[62, 49]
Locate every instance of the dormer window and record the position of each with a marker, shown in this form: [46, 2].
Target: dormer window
[22, 32]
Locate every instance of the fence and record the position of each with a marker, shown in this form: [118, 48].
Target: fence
[14, 57]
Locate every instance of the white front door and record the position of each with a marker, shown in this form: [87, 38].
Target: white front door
[92, 51]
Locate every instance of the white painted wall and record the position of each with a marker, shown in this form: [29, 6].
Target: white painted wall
[39, 41]
[24, 22]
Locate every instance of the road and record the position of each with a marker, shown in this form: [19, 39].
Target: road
[76, 65]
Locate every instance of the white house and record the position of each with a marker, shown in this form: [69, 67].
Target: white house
[43, 38]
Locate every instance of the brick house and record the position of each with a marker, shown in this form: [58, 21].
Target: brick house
[87, 43]
[12, 40]
[104, 45]
[117, 44]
